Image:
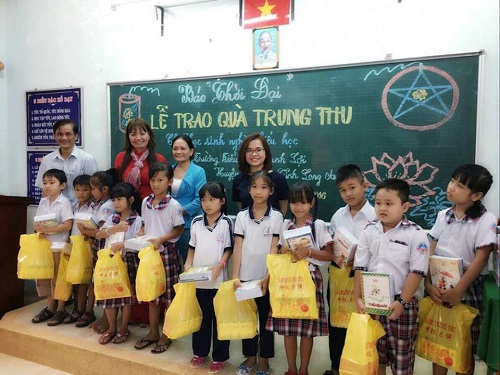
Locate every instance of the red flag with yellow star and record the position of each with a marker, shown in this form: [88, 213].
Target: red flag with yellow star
[266, 13]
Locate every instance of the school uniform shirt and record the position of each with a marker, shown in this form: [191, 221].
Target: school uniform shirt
[460, 238]
[399, 251]
[161, 219]
[87, 208]
[321, 236]
[78, 163]
[356, 224]
[257, 235]
[134, 226]
[102, 210]
[62, 208]
[209, 243]
[241, 193]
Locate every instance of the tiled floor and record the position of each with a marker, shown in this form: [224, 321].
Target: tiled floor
[319, 363]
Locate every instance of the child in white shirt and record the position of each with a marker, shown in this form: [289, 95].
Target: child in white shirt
[397, 246]
[211, 244]
[465, 231]
[354, 216]
[54, 182]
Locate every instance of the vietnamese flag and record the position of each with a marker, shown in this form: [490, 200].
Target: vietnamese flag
[266, 13]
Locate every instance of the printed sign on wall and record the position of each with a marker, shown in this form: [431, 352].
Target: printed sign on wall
[44, 108]
[34, 159]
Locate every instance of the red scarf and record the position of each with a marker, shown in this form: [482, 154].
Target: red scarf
[134, 176]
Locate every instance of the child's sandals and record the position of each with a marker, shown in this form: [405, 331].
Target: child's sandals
[42, 316]
[73, 317]
[196, 361]
[106, 338]
[160, 348]
[215, 367]
[120, 337]
[58, 318]
[85, 319]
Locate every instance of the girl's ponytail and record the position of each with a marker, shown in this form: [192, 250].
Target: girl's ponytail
[476, 210]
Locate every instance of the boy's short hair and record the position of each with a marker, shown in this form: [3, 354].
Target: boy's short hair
[401, 187]
[348, 171]
[83, 179]
[56, 173]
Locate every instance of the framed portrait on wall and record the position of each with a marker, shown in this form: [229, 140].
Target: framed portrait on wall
[265, 48]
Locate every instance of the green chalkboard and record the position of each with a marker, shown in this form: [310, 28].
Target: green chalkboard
[410, 119]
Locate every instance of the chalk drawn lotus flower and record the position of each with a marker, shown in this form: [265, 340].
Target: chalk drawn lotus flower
[406, 168]
[430, 207]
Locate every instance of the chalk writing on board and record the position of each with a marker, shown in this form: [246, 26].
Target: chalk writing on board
[148, 89]
[430, 206]
[292, 163]
[316, 120]
[406, 168]
[191, 94]
[387, 69]
[428, 89]
[227, 91]
[265, 90]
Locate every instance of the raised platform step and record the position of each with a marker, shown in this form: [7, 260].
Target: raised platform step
[13, 365]
[76, 350]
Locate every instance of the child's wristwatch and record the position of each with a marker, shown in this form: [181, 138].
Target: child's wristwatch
[406, 305]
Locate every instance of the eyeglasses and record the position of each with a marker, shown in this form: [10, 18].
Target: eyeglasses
[258, 150]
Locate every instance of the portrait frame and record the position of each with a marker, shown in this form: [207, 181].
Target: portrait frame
[267, 56]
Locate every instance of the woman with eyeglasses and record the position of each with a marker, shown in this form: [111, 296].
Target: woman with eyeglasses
[254, 155]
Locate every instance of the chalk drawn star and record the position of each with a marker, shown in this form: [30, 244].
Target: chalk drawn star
[413, 96]
[422, 94]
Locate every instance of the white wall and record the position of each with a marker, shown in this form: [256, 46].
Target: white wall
[61, 43]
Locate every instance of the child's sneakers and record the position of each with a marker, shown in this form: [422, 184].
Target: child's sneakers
[196, 361]
[215, 367]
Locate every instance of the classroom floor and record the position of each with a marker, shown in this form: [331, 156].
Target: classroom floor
[319, 362]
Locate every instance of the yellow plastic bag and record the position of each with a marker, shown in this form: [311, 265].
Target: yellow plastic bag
[360, 354]
[292, 291]
[110, 276]
[63, 288]
[444, 334]
[235, 319]
[80, 262]
[150, 282]
[35, 259]
[184, 315]
[342, 302]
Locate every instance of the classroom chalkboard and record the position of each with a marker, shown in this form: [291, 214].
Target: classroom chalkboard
[412, 119]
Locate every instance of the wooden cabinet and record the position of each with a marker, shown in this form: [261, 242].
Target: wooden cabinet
[13, 212]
